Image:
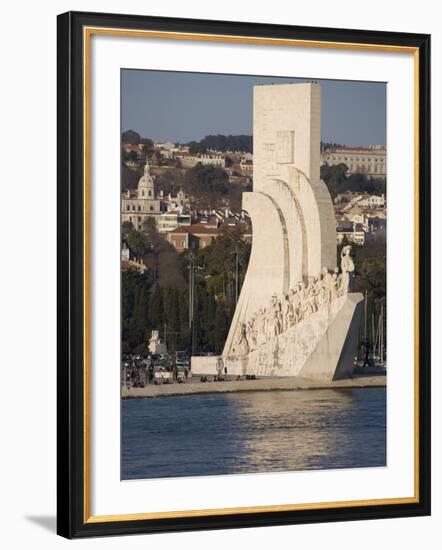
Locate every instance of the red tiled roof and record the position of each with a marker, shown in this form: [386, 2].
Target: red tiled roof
[197, 229]
[200, 229]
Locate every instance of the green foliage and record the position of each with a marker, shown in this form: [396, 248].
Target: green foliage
[215, 288]
[130, 137]
[126, 228]
[148, 144]
[138, 242]
[206, 179]
[371, 276]
[130, 155]
[338, 182]
[169, 181]
[243, 143]
[330, 144]
[134, 308]
[207, 185]
[196, 147]
[141, 349]
[156, 307]
[159, 299]
[160, 256]
[130, 177]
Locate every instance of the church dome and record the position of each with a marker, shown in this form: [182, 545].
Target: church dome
[145, 184]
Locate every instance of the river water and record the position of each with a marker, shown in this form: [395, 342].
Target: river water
[253, 432]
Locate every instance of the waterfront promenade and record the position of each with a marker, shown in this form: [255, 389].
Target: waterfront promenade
[195, 386]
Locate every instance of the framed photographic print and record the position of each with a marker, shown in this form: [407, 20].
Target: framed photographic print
[243, 274]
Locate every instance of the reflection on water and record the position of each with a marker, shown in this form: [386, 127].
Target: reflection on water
[253, 432]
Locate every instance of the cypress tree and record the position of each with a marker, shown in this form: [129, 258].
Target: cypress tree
[156, 308]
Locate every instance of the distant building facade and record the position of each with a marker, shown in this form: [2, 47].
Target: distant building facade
[141, 204]
[353, 232]
[207, 159]
[200, 235]
[166, 145]
[170, 220]
[371, 161]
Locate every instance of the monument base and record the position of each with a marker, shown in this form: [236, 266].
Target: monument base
[320, 348]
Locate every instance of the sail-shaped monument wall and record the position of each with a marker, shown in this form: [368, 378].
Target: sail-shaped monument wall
[293, 318]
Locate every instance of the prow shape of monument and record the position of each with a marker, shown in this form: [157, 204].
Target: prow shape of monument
[296, 314]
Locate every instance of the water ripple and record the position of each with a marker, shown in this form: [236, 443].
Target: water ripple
[253, 432]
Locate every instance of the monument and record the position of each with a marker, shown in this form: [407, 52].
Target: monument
[296, 314]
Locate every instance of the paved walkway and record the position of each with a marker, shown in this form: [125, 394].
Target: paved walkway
[192, 387]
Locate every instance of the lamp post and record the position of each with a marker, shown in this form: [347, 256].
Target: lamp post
[192, 272]
[236, 253]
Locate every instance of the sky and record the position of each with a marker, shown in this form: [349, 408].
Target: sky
[181, 107]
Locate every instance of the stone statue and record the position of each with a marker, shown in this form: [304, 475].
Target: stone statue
[335, 285]
[347, 268]
[251, 333]
[242, 346]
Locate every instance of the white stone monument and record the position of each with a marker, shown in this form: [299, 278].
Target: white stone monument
[156, 346]
[296, 314]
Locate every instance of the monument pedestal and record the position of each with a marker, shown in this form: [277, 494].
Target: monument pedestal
[320, 348]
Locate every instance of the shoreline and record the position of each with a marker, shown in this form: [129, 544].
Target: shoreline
[262, 384]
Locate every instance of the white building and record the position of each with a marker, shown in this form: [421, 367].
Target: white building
[207, 159]
[371, 161]
[170, 220]
[353, 232]
[246, 166]
[346, 201]
[372, 201]
[172, 202]
[166, 145]
[142, 204]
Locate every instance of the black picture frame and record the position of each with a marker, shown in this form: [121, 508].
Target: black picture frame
[72, 393]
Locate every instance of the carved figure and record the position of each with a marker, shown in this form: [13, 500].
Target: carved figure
[347, 268]
[242, 346]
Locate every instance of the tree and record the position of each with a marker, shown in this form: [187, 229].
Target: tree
[170, 181]
[150, 229]
[156, 307]
[138, 322]
[130, 137]
[126, 228]
[130, 155]
[169, 268]
[172, 317]
[196, 147]
[338, 182]
[222, 323]
[329, 145]
[138, 242]
[207, 185]
[134, 308]
[150, 303]
[148, 145]
[220, 142]
[130, 177]
[334, 178]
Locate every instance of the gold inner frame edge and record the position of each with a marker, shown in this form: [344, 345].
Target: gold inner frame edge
[87, 34]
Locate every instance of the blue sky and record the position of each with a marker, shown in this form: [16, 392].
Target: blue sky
[182, 106]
